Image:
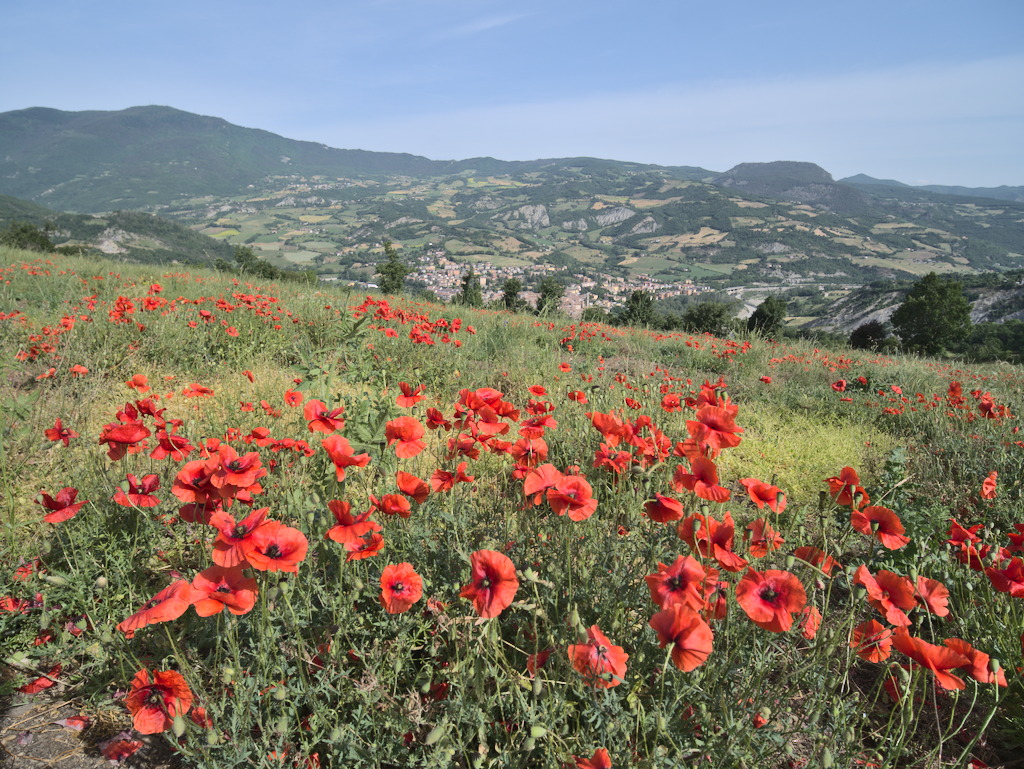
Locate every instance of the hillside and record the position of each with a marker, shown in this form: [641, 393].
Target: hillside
[606, 226]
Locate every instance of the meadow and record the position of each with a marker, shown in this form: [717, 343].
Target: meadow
[285, 526]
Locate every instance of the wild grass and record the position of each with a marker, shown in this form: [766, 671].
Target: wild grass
[318, 673]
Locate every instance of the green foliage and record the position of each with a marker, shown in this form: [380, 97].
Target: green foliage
[27, 236]
[470, 294]
[935, 315]
[392, 271]
[551, 291]
[709, 317]
[868, 336]
[769, 317]
[510, 299]
[638, 310]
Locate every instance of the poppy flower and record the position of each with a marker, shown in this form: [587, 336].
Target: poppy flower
[539, 480]
[63, 506]
[341, 454]
[882, 524]
[770, 598]
[839, 385]
[571, 496]
[762, 494]
[443, 480]
[702, 480]
[535, 662]
[988, 486]
[938, 659]
[169, 604]
[234, 541]
[933, 595]
[60, 433]
[400, 588]
[1009, 578]
[192, 483]
[120, 437]
[42, 682]
[139, 383]
[871, 641]
[231, 473]
[412, 486]
[816, 557]
[599, 661]
[712, 539]
[810, 622]
[119, 747]
[218, 587]
[978, 664]
[409, 396]
[577, 395]
[78, 370]
[715, 427]
[599, 760]
[493, 583]
[685, 582]
[276, 547]
[155, 704]
[610, 426]
[846, 488]
[663, 509]
[349, 528]
[293, 398]
[690, 635]
[139, 493]
[762, 538]
[435, 420]
[364, 546]
[407, 433]
[320, 419]
[889, 593]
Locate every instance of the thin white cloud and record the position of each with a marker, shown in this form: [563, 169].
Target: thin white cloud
[479, 25]
[919, 121]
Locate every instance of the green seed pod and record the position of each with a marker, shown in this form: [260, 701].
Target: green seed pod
[537, 732]
[477, 761]
[538, 687]
[280, 692]
[529, 744]
[662, 723]
[212, 738]
[101, 583]
[178, 725]
[46, 547]
[434, 734]
[282, 725]
[55, 579]
[790, 561]
[358, 584]
[827, 761]
[994, 665]
[227, 676]
[574, 617]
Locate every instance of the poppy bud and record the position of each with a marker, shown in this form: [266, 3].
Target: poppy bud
[477, 761]
[101, 583]
[55, 579]
[178, 726]
[212, 738]
[434, 734]
[280, 692]
[227, 675]
[285, 587]
[790, 561]
[358, 584]
[46, 547]
[529, 744]
[336, 734]
[538, 687]
[827, 761]
[994, 665]
[282, 725]
[538, 731]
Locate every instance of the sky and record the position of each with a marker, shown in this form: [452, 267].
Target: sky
[922, 91]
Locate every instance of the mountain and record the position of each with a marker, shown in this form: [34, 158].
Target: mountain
[147, 157]
[788, 180]
[1004, 192]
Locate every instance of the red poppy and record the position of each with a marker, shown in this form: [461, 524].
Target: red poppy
[535, 662]
[218, 587]
[155, 705]
[882, 524]
[400, 588]
[1009, 578]
[364, 546]
[663, 509]
[139, 383]
[341, 454]
[839, 385]
[407, 433]
[320, 419]
[78, 370]
[571, 496]
[435, 420]
[690, 635]
[762, 537]
[770, 598]
[119, 747]
[231, 548]
[231, 473]
[63, 506]
[349, 528]
[293, 397]
[938, 659]
[979, 664]
[443, 480]
[120, 437]
[565, 368]
[715, 427]
[846, 488]
[988, 486]
[810, 622]
[42, 682]
[192, 483]
[816, 557]
[577, 395]
[60, 433]
[712, 539]
[169, 604]
[685, 582]
[702, 480]
[599, 661]
[409, 396]
[276, 547]
[762, 494]
[139, 493]
[871, 641]
[933, 595]
[599, 760]
[493, 583]
[412, 486]
[539, 480]
[891, 594]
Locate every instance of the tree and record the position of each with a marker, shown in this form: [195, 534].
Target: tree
[935, 315]
[769, 316]
[510, 294]
[27, 236]
[392, 271]
[470, 295]
[709, 318]
[639, 310]
[868, 336]
[551, 292]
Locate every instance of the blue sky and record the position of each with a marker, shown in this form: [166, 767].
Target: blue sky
[923, 91]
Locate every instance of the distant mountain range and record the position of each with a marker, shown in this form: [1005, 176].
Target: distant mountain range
[305, 204]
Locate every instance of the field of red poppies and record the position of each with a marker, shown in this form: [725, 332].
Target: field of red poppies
[284, 526]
